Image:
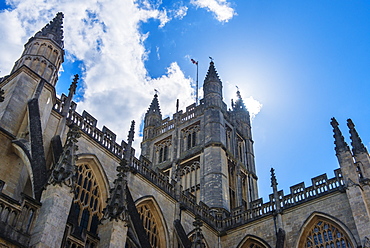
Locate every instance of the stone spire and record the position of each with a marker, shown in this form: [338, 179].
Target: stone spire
[356, 142]
[154, 106]
[212, 88]
[212, 74]
[130, 139]
[64, 169]
[275, 190]
[72, 91]
[340, 144]
[273, 180]
[116, 208]
[53, 30]
[117, 203]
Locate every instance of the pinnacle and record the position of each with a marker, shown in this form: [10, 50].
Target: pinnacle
[53, 30]
[212, 73]
[357, 145]
[239, 103]
[154, 106]
[340, 144]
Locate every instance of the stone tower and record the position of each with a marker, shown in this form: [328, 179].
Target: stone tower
[29, 98]
[207, 148]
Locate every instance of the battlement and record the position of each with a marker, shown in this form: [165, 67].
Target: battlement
[219, 219]
[87, 123]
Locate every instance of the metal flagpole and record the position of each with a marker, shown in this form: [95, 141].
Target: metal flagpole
[196, 92]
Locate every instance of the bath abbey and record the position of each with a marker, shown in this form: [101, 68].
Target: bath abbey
[66, 183]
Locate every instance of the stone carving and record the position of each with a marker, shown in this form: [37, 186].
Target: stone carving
[366, 242]
[64, 169]
[117, 203]
[2, 95]
[197, 236]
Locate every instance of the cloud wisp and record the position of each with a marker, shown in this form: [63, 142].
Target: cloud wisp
[221, 8]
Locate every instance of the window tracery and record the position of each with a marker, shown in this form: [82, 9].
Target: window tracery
[162, 150]
[87, 200]
[325, 234]
[86, 210]
[152, 224]
[190, 136]
[190, 178]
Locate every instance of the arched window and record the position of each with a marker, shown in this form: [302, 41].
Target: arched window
[253, 242]
[323, 233]
[86, 210]
[87, 203]
[152, 224]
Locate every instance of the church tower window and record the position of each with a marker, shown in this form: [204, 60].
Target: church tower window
[162, 149]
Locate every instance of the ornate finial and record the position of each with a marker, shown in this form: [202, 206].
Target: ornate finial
[53, 30]
[273, 178]
[357, 145]
[239, 103]
[64, 169]
[197, 235]
[366, 242]
[2, 95]
[130, 137]
[116, 208]
[156, 93]
[72, 88]
[211, 59]
[117, 203]
[340, 144]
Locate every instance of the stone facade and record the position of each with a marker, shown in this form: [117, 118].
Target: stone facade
[194, 184]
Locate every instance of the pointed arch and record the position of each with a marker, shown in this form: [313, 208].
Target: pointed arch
[323, 230]
[252, 241]
[20, 149]
[191, 238]
[97, 167]
[90, 195]
[153, 222]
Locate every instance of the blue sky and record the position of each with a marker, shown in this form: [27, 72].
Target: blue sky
[297, 64]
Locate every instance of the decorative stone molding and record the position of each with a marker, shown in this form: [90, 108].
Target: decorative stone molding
[2, 95]
[64, 170]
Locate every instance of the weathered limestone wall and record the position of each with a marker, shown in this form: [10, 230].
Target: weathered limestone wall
[12, 169]
[335, 205]
[18, 92]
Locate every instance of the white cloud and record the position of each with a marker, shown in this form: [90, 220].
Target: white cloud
[253, 106]
[106, 38]
[221, 8]
[181, 12]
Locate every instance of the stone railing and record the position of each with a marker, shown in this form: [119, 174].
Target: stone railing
[217, 218]
[17, 218]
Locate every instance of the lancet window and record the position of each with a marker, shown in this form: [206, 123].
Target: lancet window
[325, 234]
[190, 136]
[241, 149]
[190, 177]
[152, 224]
[86, 210]
[162, 150]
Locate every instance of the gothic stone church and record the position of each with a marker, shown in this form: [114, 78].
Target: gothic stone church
[194, 183]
